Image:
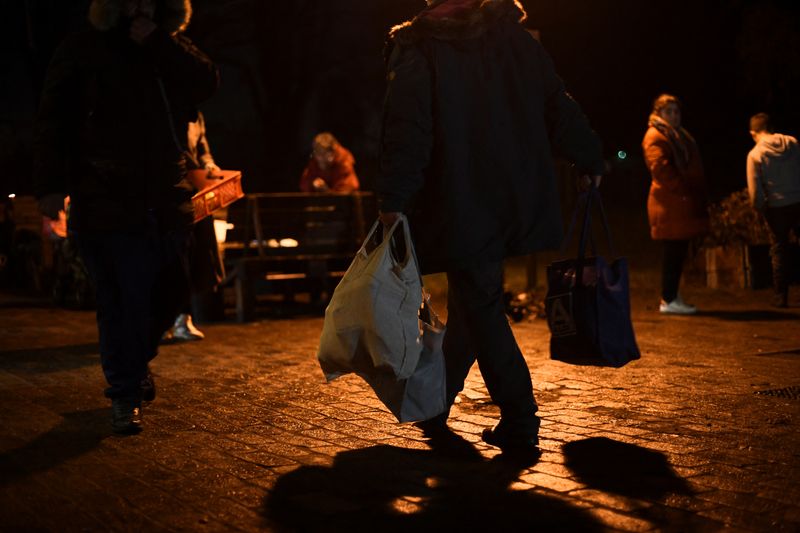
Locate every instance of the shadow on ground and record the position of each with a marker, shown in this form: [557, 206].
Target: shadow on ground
[640, 475]
[622, 468]
[51, 359]
[385, 488]
[77, 434]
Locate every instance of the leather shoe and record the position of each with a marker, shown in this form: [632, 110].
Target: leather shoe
[148, 386]
[510, 442]
[126, 416]
[434, 427]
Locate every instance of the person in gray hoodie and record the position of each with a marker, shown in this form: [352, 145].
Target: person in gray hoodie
[773, 180]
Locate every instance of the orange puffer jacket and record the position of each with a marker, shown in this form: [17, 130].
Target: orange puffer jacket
[677, 205]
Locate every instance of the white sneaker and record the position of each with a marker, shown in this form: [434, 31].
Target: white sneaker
[185, 330]
[680, 300]
[676, 307]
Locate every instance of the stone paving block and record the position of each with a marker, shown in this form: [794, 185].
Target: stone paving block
[249, 496]
[260, 394]
[620, 521]
[554, 469]
[554, 483]
[739, 518]
[230, 513]
[744, 501]
[609, 501]
[465, 427]
[477, 420]
[264, 459]
[689, 502]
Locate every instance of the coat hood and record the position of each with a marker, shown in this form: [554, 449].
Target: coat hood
[451, 20]
[171, 15]
[776, 145]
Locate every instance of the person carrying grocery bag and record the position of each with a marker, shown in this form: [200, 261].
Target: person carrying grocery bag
[473, 113]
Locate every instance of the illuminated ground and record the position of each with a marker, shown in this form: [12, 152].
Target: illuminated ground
[246, 435]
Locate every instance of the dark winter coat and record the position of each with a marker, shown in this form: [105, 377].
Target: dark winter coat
[111, 128]
[474, 113]
[677, 204]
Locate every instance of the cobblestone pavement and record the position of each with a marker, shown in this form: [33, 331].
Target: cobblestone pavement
[245, 434]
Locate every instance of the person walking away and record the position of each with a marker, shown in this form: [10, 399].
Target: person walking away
[330, 167]
[473, 112]
[677, 205]
[773, 181]
[110, 132]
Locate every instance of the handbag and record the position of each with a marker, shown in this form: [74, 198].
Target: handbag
[588, 303]
[377, 327]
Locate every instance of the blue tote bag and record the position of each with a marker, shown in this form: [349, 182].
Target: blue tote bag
[588, 303]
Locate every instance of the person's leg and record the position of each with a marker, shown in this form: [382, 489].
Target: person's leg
[459, 351]
[459, 356]
[780, 222]
[122, 266]
[477, 295]
[195, 275]
[171, 285]
[672, 268]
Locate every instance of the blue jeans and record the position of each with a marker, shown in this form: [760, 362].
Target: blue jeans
[141, 280]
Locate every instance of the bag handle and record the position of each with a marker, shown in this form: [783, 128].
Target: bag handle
[386, 235]
[586, 235]
[426, 312]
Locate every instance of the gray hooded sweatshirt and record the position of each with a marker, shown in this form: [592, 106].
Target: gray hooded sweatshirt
[773, 171]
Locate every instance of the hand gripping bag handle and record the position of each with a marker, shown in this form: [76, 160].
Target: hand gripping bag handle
[586, 234]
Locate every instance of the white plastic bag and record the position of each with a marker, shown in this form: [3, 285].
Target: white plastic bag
[373, 328]
[423, 394]
[372, 319]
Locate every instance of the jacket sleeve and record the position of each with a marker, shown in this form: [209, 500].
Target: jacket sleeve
[658, 157]
[570, 134]
[186, 69]
[346, 179]
[306, 178]
[203, 148]
[407, 138]
[754, 187]
[55, 124]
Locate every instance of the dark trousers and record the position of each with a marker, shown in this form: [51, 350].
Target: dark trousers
[782, 220]
[141, 282]
[205, 265]
[477, 329]
[672, 268]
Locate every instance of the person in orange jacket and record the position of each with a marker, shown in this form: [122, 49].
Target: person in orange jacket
[677, 205]
[330, 168]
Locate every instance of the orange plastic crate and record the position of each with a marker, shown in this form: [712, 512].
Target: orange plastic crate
[214, 192]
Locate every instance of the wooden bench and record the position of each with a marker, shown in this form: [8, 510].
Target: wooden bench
[287, 243]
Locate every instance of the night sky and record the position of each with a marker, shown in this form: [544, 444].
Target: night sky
[293, 68]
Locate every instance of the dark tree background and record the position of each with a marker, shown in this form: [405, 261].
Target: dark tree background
[293, 68]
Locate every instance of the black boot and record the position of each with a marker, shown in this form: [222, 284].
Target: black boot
[126, 415]
[510, 441]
